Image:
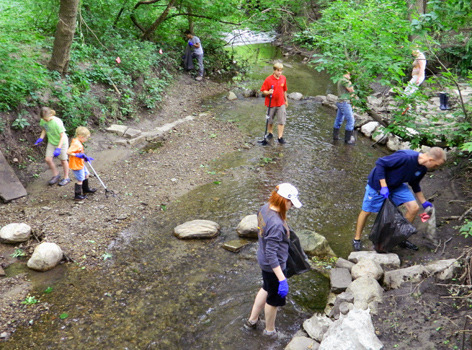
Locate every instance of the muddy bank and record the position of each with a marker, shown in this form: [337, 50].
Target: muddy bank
[144, 181]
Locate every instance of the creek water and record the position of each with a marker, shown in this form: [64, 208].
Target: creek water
[158, 292]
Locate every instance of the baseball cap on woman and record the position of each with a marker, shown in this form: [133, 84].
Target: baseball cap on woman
[289, 191]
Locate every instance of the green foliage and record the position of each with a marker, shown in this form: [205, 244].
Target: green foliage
[30, 300]
[365, 38]
[20, 123]
[466, 229]
[18, 253]
[326, 262]
[467, 147]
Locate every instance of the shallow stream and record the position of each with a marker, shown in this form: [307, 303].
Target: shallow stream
[158, 292]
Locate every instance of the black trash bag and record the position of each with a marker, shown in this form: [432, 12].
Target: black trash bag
[297, 262]
[390, 228]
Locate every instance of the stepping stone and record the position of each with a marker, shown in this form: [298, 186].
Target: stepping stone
[235, 245]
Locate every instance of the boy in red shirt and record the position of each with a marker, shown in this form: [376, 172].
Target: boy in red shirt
[278, 102]
[76, 163]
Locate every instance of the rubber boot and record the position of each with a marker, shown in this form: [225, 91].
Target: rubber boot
[349, 137]
[78, 193]
[335, 134]
[443, 100]
[86, 188]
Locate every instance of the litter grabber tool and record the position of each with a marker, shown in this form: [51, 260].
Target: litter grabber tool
[107, 191]
[264, 140]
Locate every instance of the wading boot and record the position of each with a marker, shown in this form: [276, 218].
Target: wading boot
[349, 137]
[335, 134]
[78, 193]
[86, 188]
[443, 100]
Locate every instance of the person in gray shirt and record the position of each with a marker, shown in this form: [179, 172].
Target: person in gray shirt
[272, 255]
[197, 52]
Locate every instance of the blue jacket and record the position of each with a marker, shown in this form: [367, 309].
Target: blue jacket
[398, 168]
[273, 240]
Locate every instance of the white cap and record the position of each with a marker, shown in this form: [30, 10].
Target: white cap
[289, 191]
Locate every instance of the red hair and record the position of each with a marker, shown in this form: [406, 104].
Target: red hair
[279, 202]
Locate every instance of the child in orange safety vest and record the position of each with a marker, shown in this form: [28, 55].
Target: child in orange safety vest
[76, 163]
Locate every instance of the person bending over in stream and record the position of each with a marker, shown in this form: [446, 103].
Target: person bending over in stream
[272, 255]
[388, 180]
[278, 102]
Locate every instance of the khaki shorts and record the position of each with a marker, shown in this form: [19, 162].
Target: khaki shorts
[280, 113]
[50, 150]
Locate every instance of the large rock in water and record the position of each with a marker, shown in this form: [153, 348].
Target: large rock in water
[354, 331]
[197, 229]
[248, 227]
[45, 257]
[315, 244]
[15, 233]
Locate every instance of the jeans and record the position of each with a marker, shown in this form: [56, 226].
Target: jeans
[200, 63]
[344, 111]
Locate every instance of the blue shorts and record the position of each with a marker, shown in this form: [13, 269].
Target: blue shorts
[373, 200]
[271, 285]
[81, 174]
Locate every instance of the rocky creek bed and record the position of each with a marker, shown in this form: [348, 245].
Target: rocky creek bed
[424, 314]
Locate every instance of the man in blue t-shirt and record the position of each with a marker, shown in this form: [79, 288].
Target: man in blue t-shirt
[389, 179]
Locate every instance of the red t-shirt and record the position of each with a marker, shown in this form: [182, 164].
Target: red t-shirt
[280, 86]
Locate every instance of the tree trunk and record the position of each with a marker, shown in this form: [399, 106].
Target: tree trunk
[147, 34]
[65, 31]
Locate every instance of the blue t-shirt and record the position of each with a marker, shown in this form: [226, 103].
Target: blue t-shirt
[273, 240]
[398, 168]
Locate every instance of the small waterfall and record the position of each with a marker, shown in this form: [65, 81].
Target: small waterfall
[245, 37]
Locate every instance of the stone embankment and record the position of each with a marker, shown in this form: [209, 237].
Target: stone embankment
[357, 286]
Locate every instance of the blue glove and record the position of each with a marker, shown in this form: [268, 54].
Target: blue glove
[427, 204]
[283, 288]
[57, 151]
[88, 159]
[80, 155]
[38, 141]
[384, 192]
[190, 43]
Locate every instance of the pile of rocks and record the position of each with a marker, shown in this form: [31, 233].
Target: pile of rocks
[46, 255]
[357, 287]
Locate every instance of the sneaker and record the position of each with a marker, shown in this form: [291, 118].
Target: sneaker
[64, 182]
[281, 140]
[408, 245]
[271, 334]
[249, 325]
[54, 180]
[199, 78]
[269, 136]
[357, 244]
